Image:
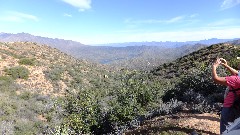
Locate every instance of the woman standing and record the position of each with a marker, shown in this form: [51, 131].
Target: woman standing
[233, 82]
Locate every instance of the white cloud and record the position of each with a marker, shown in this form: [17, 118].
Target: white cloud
[193, 15]
[176, 19]
[82, 5]
[14, 16]
[67, 15]
[229, 4]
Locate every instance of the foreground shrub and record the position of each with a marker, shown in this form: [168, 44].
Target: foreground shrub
[82, 113]
[108, 110]
[198, 90]
[171, 107]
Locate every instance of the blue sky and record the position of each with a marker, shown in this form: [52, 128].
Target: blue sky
[113, 21]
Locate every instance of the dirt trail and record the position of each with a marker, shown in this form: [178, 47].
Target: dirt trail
[183, 123]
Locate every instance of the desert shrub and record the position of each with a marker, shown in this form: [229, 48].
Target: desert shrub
[137, 85]
[54, 73]
[8, 107]
[6, 127]
[18, 72]
[83, 112]
[172, 133]
[121, 113]
[171, 107]
[3, 57]
[27, 61]
[5, 80]
[76, 82]
[10, 53]
[24, 127]
[25, 95]
[198, 88]
[18, 113]
[135, 96]
[103, 109]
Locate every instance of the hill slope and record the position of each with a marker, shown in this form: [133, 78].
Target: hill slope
[197, 59]
[52, 69]
[33, 78]
[151, 56]
[188, 80]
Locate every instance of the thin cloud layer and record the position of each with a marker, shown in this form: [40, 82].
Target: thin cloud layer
[176, 19]
[180, 36]
[229, 4]
[82, 5]
[225, 22]
[14, 16]
[67, 15]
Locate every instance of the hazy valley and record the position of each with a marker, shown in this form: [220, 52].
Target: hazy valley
[135, 55]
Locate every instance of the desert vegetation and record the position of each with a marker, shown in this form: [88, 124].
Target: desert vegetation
[45, 91]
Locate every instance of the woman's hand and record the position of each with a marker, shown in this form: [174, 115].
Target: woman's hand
[217, 62]
[223, 61]
[216, 78]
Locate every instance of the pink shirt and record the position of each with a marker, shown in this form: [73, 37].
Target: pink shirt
[232, 82]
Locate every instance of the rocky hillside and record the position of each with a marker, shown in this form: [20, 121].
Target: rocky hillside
[50, 71]
[33, 77]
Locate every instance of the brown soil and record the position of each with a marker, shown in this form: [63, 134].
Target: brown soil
[42, 118]
[183, 123]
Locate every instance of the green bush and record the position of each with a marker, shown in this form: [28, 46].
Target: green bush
[5, 80]
[91, 111]
[198, 89]
[18, 72]
[25, 95]
[24, 128]
[27, 61]
[83, 112]
[55, 73]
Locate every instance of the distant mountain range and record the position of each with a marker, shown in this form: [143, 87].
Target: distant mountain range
[64, 44]
[60, 44]
[169, 44]
[134, 55]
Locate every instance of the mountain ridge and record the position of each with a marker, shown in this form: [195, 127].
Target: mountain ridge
[137, 55]
[170, 44]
